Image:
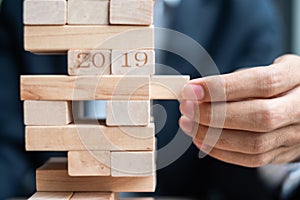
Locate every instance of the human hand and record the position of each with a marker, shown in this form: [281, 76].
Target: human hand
[262, 120]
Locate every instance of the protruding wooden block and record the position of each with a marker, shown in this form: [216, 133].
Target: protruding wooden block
[88, 12]
[168, 87]
[89, 163]
[128, 113]
[89, 137]
[89, 62]
[53, 176]
[51, 196]
[83, 88]
[47, 113]
[60, 39]
[137, 12]
[45, 12]
[141, 62]
[132, 164]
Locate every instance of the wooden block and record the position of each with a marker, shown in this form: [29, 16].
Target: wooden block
[90, 137]
[89, 62]
[51, 196]
[168, 87]
[137, 12]
[60, 39]
[45, 12]
[95, 196]
[140, 62]
[47, 113]
[77, 88]
[127, 113]
[88, 12]
[132, 164]
[53, 176]
[89, 163]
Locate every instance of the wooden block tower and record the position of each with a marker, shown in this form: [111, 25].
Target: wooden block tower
[110, 48]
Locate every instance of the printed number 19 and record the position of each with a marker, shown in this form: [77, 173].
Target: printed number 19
[140, 57]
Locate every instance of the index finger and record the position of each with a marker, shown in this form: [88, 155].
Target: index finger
[259, 82]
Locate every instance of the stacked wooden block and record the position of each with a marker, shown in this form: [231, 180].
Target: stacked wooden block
[110, 47]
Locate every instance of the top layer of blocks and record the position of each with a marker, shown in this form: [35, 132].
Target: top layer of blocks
[88, 12]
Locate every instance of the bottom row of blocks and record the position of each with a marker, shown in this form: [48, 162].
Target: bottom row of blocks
[118, 113]
[115, 164]
[81, 196]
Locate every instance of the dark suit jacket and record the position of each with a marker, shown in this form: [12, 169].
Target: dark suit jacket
[236, 33]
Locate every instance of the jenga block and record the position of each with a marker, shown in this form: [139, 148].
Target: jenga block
[168, 87]
[89, 163]
[60, 39]
[45, 12]
[88, 12]
[51, 196]
[53, 176]
[141, 62]
[95, 196]
[48, 113]
[128, 113]
[132, 164]
[137, 12]
[77, 88]
[90, 137]
[89, 62]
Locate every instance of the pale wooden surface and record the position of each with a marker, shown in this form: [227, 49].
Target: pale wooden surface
[89, 137]
[79, 196]
[88, 12]
[168, 87]
[45, 12]
[47, 113]
[51, 196]
[137, 12]
[89, 163]
[95, 196]
[72, 88]
[54, 177]
[89, 62]
[127, 113]
[132, 164]
[140, 62]
[105, 87]
[55, 39]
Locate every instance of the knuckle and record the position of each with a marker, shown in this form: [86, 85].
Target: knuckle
[270, 81]
[258, 144]
[259, 160]
[265, 118]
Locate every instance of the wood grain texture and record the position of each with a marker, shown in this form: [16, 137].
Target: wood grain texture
[54, 176]
[45, 12]
[106, 88]
[127, 113]
[60, 39]
[51, 196]
[136, 62]
[47, 113]
[95, 196]
[168, 87]
[88, 12]
[88, 136]
[132, 164]
[89, 62]
[89, 163]
[73, 88]
[137, 12]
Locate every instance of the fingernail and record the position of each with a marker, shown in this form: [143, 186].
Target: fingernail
[186, 124]
[187, 109]
[193, 92]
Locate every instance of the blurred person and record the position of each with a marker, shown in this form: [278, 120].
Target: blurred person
[237, 34]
